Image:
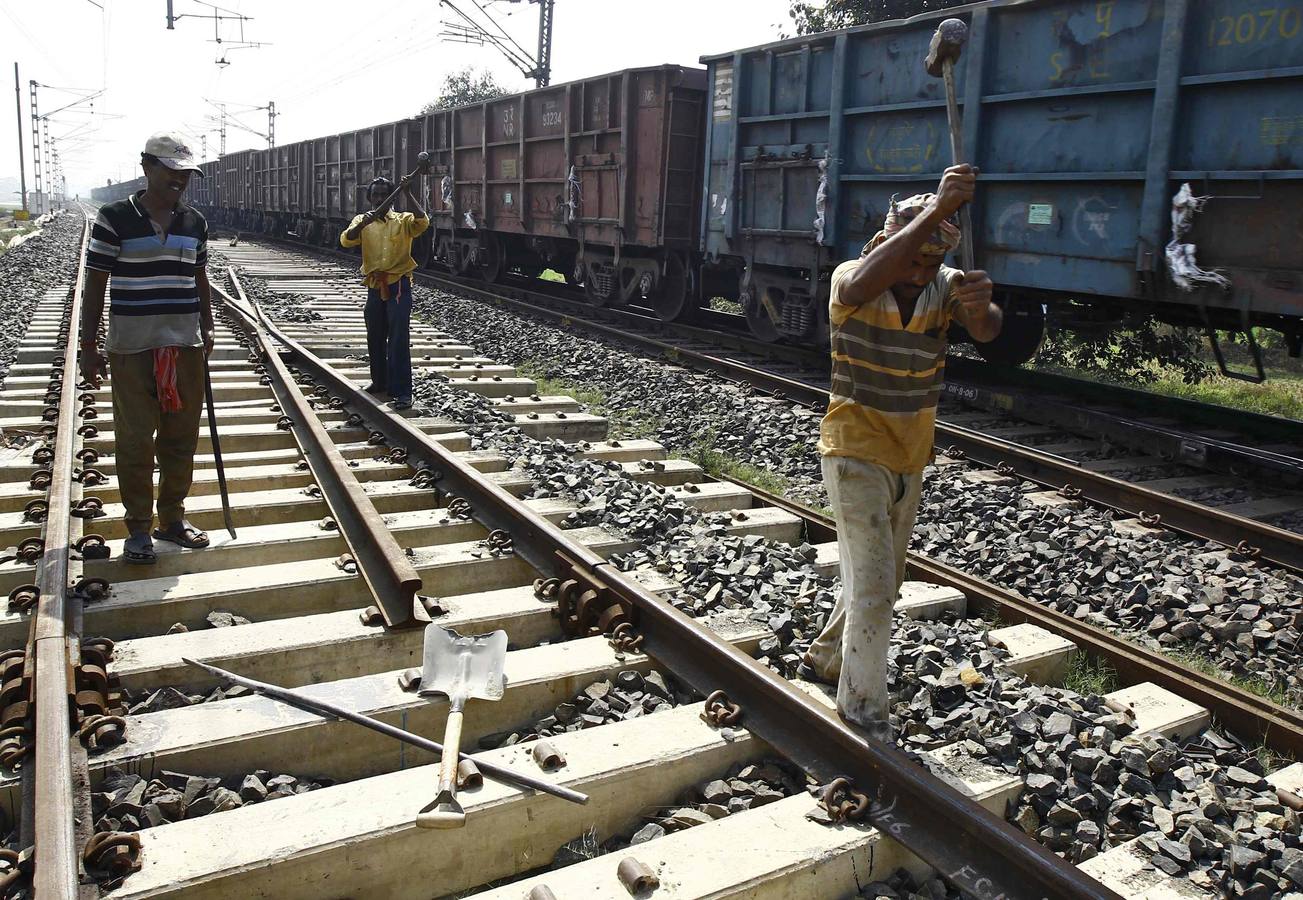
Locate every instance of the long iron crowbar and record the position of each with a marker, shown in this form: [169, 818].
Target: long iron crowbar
[217, 447]
[331, 711]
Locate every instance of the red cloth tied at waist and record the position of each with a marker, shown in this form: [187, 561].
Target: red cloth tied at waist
[380, 282]
[169, 398]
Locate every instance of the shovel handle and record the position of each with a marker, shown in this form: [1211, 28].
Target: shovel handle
[449, 813]
[451, 752]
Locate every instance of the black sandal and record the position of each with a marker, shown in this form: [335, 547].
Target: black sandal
[142, 554]
[183, 534]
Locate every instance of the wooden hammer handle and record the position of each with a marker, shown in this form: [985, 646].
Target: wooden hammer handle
[957, 155]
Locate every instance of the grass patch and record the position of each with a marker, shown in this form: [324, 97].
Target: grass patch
[720, 465]
[719, 304]
[545, 384]
[1090, 676]
[551, 275]
[591, 396]
[625, 424]
[1254, 684]
[1280, 395]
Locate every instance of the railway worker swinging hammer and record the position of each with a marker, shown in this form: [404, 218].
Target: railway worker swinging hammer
[160, 333]
[889, 311]
[387, 265]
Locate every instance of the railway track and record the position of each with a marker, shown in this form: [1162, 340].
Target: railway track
[187, 787]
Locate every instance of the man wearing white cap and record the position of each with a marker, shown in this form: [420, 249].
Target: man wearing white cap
[160, 329]
[889, 312]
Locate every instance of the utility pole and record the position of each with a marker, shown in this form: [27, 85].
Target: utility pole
[271, 123]
[171, 19]
[46, 166]
[22, 166]
[221, 130]
[470, 30]
[543, 70]
[36, 150]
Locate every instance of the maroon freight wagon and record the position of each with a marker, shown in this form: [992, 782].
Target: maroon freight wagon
[235, 188]
[598, 179]
[338, 169]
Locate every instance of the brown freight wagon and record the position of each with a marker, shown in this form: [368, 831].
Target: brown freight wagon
[341, 167]
[280, 179]
[598, 179]
[202, 193]
[235, 187]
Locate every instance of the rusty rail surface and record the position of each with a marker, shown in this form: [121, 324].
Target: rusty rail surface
[1248, 536]
[54, 641]
[388, 573]
[979, 852]
[1245, 713]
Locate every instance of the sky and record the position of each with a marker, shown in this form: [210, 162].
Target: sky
[328, 65]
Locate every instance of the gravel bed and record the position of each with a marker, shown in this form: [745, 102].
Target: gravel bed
[1292, 521]
[629, 695]
[1216, 495]
[1153, 473]
[28, 271]
[280, 305]
[128, 802]
[1200, 596]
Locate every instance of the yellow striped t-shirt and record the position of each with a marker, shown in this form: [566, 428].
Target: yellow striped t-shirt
[886, 377]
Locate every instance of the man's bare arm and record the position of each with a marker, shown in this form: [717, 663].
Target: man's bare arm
[205, 309]
[92, 310]
[889, 262]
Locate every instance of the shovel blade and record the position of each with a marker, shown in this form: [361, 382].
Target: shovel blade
[463, 667]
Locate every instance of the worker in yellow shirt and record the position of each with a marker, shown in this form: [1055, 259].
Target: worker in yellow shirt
[889, 312]
[387, 267]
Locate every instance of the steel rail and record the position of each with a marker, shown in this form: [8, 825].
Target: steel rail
[979, 852]
[1263, 426]
[1257, 539]
[1214, 454]
[389, 574]
[1247, 714]
[56, 869]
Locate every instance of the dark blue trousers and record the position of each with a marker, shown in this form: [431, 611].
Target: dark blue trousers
[388, 339]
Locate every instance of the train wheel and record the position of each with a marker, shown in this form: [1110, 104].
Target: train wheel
[673, 300]
[759, 319]
[594, 293]
[493, 266]
[1021, 335]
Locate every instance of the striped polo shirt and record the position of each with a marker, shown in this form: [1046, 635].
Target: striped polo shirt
[886, 377]
[153, 298]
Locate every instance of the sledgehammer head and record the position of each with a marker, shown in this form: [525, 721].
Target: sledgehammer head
[947, 44]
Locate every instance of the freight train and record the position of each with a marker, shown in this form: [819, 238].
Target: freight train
[752, 178]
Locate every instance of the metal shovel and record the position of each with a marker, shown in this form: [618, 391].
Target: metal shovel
[462, 668]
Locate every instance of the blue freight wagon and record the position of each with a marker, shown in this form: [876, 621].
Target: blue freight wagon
[1085, 118]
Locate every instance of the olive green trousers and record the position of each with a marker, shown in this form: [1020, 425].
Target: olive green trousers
[142, 432]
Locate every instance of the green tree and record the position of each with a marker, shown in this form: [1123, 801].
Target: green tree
[811, 16]
[468, 85]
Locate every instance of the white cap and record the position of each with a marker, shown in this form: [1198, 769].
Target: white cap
[172, 150]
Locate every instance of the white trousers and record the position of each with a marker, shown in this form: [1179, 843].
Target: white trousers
[875, 509]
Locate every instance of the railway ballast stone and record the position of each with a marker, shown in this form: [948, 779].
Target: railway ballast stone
[28, 271]
[126, 801]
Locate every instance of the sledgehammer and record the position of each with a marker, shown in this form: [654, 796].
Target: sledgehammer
[942, 54]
